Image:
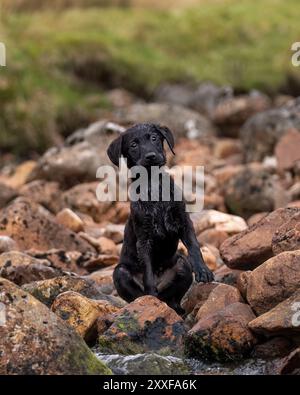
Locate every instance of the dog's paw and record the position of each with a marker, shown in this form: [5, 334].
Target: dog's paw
[204, 275]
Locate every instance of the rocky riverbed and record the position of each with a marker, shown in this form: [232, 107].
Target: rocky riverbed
[59, 311]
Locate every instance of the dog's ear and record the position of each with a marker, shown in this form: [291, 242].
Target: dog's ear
[168, 136]
[114, 150]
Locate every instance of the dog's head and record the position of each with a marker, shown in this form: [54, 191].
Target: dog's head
[142, 145]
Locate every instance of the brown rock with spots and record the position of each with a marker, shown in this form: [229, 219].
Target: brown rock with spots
[34, 341]
[47, 290]
[81, 313]
[253, 246]
[147, 324]
[283, 319]
[222, 336]
[22, 269]
[46, 193]
[83, 198]
[31, 226]
[220, 297]
[274, 281]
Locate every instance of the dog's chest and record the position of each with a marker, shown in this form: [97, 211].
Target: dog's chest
[159, 219]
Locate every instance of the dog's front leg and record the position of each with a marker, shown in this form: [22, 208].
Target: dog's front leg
[144, 254]
[189, 239]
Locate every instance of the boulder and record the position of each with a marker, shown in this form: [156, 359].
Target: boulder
[34, 341]
[22, 269]
[254, 189]
[221, 296]
[196, 296]
[81, 313]
[7, 244]
[45, 193]
[276, 347]
[82, 198]
[222, 336]
[101, 261]
[114, 232]
[213, 237]
[222, 222]
[182, 121]
[31, 226]
[287, 150]
[227, 276]
[6, 194]
[47, 290]
[88, 146]
[147, 324]
[291, 364]
[253, 246]
[107, 246]
[287, 236]
[70, 220]
[262, 131]
[272, 282]
[283, 319]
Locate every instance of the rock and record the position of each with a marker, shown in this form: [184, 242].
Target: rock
[211, 257]
[100, 262]
[226, 148]
[213, 237]
[276, 347]
[222, 336]
[221, 296]
[114, 232]
[273, 281]
[46, 193]
[7, 244]
[291, 364]
[88, 146]
[196, 296]
[31, 226]
[102, 276]
[253, 246]
[147, 324]
[21, 173]
[230, 114]
[182, 121]
[70, 220]
[83, 198]
[227, 276]
[283, 319]
[256, 218]
[287, 236]
[47, 290]
[6, 194]
[107, 246]
[35, 341]
[254, 189]
[262, 131]
[22, 269]
[145, 364]
[120, 97]
[81, 313]
[222, 222]
[68, 261]
[287, 150]
[242, 282]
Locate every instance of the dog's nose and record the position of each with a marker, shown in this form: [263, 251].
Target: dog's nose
[150, 156]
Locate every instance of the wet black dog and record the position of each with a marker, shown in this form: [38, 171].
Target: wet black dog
[149, 262]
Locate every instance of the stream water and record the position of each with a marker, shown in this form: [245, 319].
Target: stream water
[151, 363]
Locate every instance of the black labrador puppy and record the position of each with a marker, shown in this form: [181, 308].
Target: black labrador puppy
[149, 262]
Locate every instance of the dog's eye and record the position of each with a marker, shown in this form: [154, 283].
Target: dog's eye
[153, 137]
[133, 144]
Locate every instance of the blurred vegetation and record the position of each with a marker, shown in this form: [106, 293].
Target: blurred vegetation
[61, 58]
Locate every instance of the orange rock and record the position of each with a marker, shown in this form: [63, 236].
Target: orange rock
[222, 336]
[147, 324]
[70, 220]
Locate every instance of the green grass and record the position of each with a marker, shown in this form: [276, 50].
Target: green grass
[58, 60]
